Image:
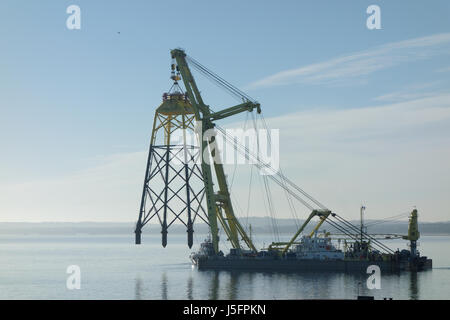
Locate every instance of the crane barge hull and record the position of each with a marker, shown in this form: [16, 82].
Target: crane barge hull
[311, 254]
[294, 265]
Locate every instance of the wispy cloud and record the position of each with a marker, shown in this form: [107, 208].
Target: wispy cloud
[445, 69]
[412, 92]
[366, 128]
[361, 63]
[391, 156]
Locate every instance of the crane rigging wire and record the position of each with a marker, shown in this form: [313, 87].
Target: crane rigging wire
[276, 175]
[232, 182]
[353, 236]
[218, 82]
[348, 224]
[320, 205]
[245, 97]
[388, 219]
[261, 166]
[249, 194]
[240, 95]
[357, 230]
[232, 89]
[267, 190]
[272, 172]
[288, 197]
[235, 163]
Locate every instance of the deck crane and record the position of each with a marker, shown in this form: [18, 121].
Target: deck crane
[218, 202]
[179, 111]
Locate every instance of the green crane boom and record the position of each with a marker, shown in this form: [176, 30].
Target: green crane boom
[219, 206]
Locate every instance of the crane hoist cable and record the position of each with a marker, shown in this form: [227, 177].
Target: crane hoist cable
[283, 180]
[249, 185]
[247, 154]
[267, 188]
[287, 194]
[235, 163]
[249, 194]
[271, 208]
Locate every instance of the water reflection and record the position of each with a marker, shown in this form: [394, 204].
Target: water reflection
[164, 286]
[227, 284]
[235, 285]
[232, 286]
[413, 286]
[190, 288]
[214, 289]
[235, 278]
[138, 289]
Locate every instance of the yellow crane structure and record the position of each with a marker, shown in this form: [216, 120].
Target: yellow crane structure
[180, 185]
[413, 232]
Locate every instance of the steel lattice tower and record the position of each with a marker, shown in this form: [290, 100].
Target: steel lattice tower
[180, 185]
[173, 186]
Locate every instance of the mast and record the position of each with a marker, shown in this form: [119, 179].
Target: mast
[363, 208]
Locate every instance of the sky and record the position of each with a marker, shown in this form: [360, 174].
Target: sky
[364, 115]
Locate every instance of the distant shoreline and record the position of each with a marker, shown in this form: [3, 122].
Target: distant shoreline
[259, 225]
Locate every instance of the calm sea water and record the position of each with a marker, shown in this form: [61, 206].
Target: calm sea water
[112, 267]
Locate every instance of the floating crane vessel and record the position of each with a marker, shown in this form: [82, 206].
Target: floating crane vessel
[181, 185]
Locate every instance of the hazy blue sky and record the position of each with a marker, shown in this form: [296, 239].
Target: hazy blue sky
[364, 115]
